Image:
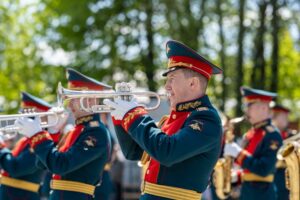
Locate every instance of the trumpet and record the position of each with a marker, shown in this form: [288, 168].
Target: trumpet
[7, 121]
[64, 94]
[8, 135]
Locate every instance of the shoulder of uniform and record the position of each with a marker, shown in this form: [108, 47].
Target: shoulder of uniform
[273, 137]
[201, 110]
[199, 118]
[272, 133]
[205, 113]
[92, 125]
[96, 130]
[270, 128]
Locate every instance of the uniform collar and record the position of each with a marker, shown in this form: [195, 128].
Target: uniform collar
[262, 124]
[86, 119]
[191, 105]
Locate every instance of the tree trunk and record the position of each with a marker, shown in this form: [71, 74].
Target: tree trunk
[258, 73]
[240, 58]
[149, 59]
[222, 52]
[184, 25]
[202, 42]
[275, 50]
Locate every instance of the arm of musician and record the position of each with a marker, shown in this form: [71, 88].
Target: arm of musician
[201, 133]
[20, 165]
[55, 138]
[264, 164]
[90, 145]
[39, 164]
[130, 149]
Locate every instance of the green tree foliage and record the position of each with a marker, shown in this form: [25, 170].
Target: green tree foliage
[289, 82]
[115, 40]
[107, 38]
[21, 68]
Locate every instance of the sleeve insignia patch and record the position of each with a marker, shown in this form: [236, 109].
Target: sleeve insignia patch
[90, 141]
[196, 125]
[94, 124]
[274, 145]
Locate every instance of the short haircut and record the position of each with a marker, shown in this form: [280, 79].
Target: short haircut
[275, 114]
[190, 73]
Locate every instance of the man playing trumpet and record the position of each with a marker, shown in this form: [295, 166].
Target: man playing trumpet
[77, 163]
[185, 149]
[20, 176]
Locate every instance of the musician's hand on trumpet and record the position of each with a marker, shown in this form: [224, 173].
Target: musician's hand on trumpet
[232, 149]
[59, 121]
[28, 126]
[121, 107]
[121, 104]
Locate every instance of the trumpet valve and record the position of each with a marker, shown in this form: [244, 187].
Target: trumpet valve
[126, 88]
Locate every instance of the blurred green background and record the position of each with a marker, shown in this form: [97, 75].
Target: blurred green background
[256, 43]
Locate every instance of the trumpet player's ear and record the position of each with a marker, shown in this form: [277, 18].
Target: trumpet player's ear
[194, 81]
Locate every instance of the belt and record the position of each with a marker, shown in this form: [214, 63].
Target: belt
[72, 186]
[255, 177]
[145, 158]
[170, 192]
[20, 184]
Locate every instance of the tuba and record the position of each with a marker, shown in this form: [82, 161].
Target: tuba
[222, 170]
[290, 154]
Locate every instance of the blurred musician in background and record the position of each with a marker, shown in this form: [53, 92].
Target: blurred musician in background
[258, 155]
[21, 177]
[280, 119]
